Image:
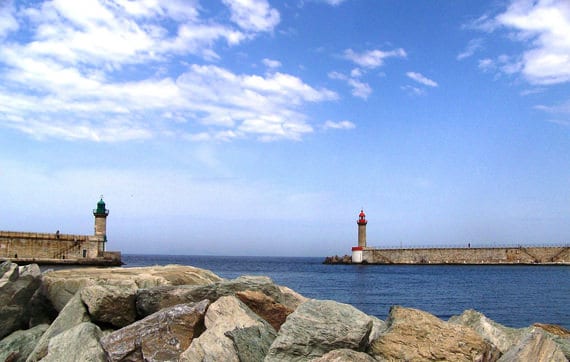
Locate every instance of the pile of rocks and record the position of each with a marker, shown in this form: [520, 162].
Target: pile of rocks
[345, 259]
[181, 313]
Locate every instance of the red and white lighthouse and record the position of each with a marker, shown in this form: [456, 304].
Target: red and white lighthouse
[357, 250]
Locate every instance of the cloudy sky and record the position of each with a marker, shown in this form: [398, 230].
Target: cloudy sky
[256, 127]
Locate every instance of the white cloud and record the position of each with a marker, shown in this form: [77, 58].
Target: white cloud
[7, 21]
[103, 71]
[373, 58]
[413, 91]
[359, 88]
[338, 125]
[473, 46]
[544, 27]
[253, 15]
[334, 2]
[420, 78]
[270, 63]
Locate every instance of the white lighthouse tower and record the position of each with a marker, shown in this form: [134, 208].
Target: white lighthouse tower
[357, 250]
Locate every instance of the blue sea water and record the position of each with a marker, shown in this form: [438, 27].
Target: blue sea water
[515, 296]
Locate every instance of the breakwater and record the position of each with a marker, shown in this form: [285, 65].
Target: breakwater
[559, 255]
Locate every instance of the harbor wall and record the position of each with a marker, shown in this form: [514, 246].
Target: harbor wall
[506, 255]
[54, 248]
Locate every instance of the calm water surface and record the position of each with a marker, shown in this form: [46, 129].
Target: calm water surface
[515, 296]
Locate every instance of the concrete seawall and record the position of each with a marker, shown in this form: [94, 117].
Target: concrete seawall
[507, 255]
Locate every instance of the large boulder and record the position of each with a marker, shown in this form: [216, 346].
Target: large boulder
[17, 286]
[73, 314]
[266, 307]
[535, 346]
[414, 335]
[80, 343]
[18, 345]
[233, 333]
[162, 336]
[154, 299]
[343, 355]
[320, 326]
[60, 285]
[504, 338]
[560, 335]
[110, 304]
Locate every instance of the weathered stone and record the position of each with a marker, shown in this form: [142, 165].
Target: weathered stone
[502, 337]
[343, 355]
[159, 337]
[416, 335]
[80, 343]
[73, 314]
[41, 309]
[378, 327]
[20, 344]
[110, 304]
[60, 285]
[291, 299]
[266, 307]
[560, 335]
[17, 286]
[154, 299]
[320, 326]
[535, 346]
[230, 325]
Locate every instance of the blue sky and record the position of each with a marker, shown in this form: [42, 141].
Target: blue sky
[257, 127]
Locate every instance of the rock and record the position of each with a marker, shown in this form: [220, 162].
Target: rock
[233, 333]
[110, 304]
[320, 326]
[162, 336]
[291, 299]
[154, 299]
[73, 314]
[535, 346]
[553, 329]
[17, 286]
[80, 343]
[502, 337]
[412, 334]
[265, 307]
[378, 327]
[560, 335]
[41, 309]
[60, 285]
[343, 355]
[20, 344]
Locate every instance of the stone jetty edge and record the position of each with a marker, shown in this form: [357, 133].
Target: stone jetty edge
[183, 313]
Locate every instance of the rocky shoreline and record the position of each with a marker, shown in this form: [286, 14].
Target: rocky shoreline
[182, 313]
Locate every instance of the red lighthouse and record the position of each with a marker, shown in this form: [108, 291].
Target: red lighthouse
[357, 250]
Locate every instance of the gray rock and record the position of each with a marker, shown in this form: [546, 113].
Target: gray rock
[110, 304]
[162, 336]
[560, 335]
[320, 326]
[502, 337]
[230, 325]
[17, 286]
[154, 299]
[378, 327]
[414, 335]
[41, 309]
[80, 343]
[535, 346]
[60, 285]
[18, 345]
[73, 314]
[343, 355]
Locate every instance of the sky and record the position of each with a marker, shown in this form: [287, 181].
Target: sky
[256, 127]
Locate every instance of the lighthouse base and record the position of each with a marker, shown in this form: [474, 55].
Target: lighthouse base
[357, 254]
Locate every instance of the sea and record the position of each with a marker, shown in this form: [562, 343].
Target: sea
[515, 296]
